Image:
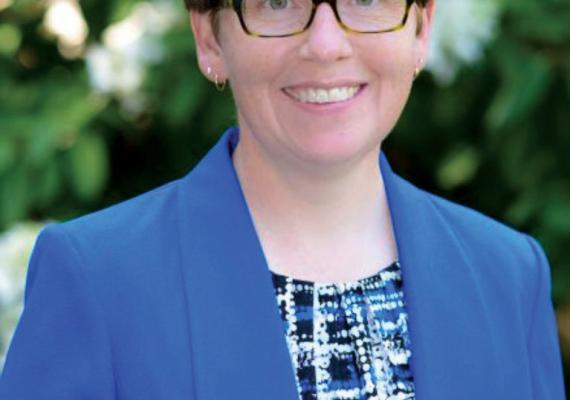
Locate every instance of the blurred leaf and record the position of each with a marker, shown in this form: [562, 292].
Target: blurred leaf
[460, 167]
[121, 9]
[545, 21]
[525, 78]
[7, 153]
[184, 100]
[178, 41]
[48, 184]
[10, 39]
[53, 130]
[556, 216]
[88, 167]
[14, 197]
[524, 207]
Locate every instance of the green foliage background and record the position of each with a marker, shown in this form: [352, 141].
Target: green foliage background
[497, 139]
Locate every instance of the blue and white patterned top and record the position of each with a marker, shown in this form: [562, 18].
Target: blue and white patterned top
[348, 340]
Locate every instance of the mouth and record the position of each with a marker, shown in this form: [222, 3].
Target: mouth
[316, 95]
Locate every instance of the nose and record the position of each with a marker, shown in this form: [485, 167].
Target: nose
[326, 41]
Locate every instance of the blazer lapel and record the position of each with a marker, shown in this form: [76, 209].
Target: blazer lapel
[237, 337]
[451, 336]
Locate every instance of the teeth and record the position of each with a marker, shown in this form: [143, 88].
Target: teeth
[320, 96]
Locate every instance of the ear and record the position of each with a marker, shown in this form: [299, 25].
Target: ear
[424, 34]
[208, 49]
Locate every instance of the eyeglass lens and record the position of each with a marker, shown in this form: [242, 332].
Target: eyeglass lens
[283, 17]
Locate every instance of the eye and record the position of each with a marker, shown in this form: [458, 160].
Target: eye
[278, 4]
[364, 2]
[272, 6]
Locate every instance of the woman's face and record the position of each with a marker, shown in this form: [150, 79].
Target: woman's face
[278, 83]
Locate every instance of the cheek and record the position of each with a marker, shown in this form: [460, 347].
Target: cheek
[251, 85]
[395, 62]
[393, 68]
[253, 79]
[251, 72]
[391, 53]
[255, 72]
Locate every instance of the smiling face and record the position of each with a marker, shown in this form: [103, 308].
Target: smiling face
[325, 96]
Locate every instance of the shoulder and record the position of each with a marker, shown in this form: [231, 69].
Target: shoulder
[503, 257]
[117, 238]
[509, 273]
[509, 267]
[472, 227]
[479, 228]
[127, 217]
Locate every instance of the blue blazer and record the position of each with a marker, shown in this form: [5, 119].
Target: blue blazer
[168, 296]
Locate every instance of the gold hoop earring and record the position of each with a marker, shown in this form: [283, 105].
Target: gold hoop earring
[219, 85]
[418, 68]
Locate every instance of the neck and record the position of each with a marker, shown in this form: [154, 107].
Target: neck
[325, 207]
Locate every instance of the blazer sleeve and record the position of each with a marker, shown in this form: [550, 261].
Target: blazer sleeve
[543, 343]
[61, 348]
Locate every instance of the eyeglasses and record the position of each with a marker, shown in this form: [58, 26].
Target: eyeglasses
[281, 18]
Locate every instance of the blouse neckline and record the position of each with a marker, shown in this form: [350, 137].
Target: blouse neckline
[393, 267]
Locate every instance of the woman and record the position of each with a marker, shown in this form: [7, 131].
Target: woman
[291, 262]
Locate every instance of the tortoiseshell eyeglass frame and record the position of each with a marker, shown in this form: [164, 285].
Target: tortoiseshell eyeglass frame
[237, 7]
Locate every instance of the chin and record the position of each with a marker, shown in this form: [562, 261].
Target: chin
[336, 149]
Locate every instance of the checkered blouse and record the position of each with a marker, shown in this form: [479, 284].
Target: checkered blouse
[348, 340]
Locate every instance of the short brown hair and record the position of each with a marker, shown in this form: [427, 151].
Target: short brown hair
[202, 5]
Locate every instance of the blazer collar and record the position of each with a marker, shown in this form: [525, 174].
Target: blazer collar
[237, 336]
[450, 331]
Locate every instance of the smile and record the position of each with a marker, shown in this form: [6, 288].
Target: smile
[323, 96]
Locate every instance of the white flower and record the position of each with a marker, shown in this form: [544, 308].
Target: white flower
[111, 72]
[65, 21]
[117, 66]
[461, 30]
[15, 248]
